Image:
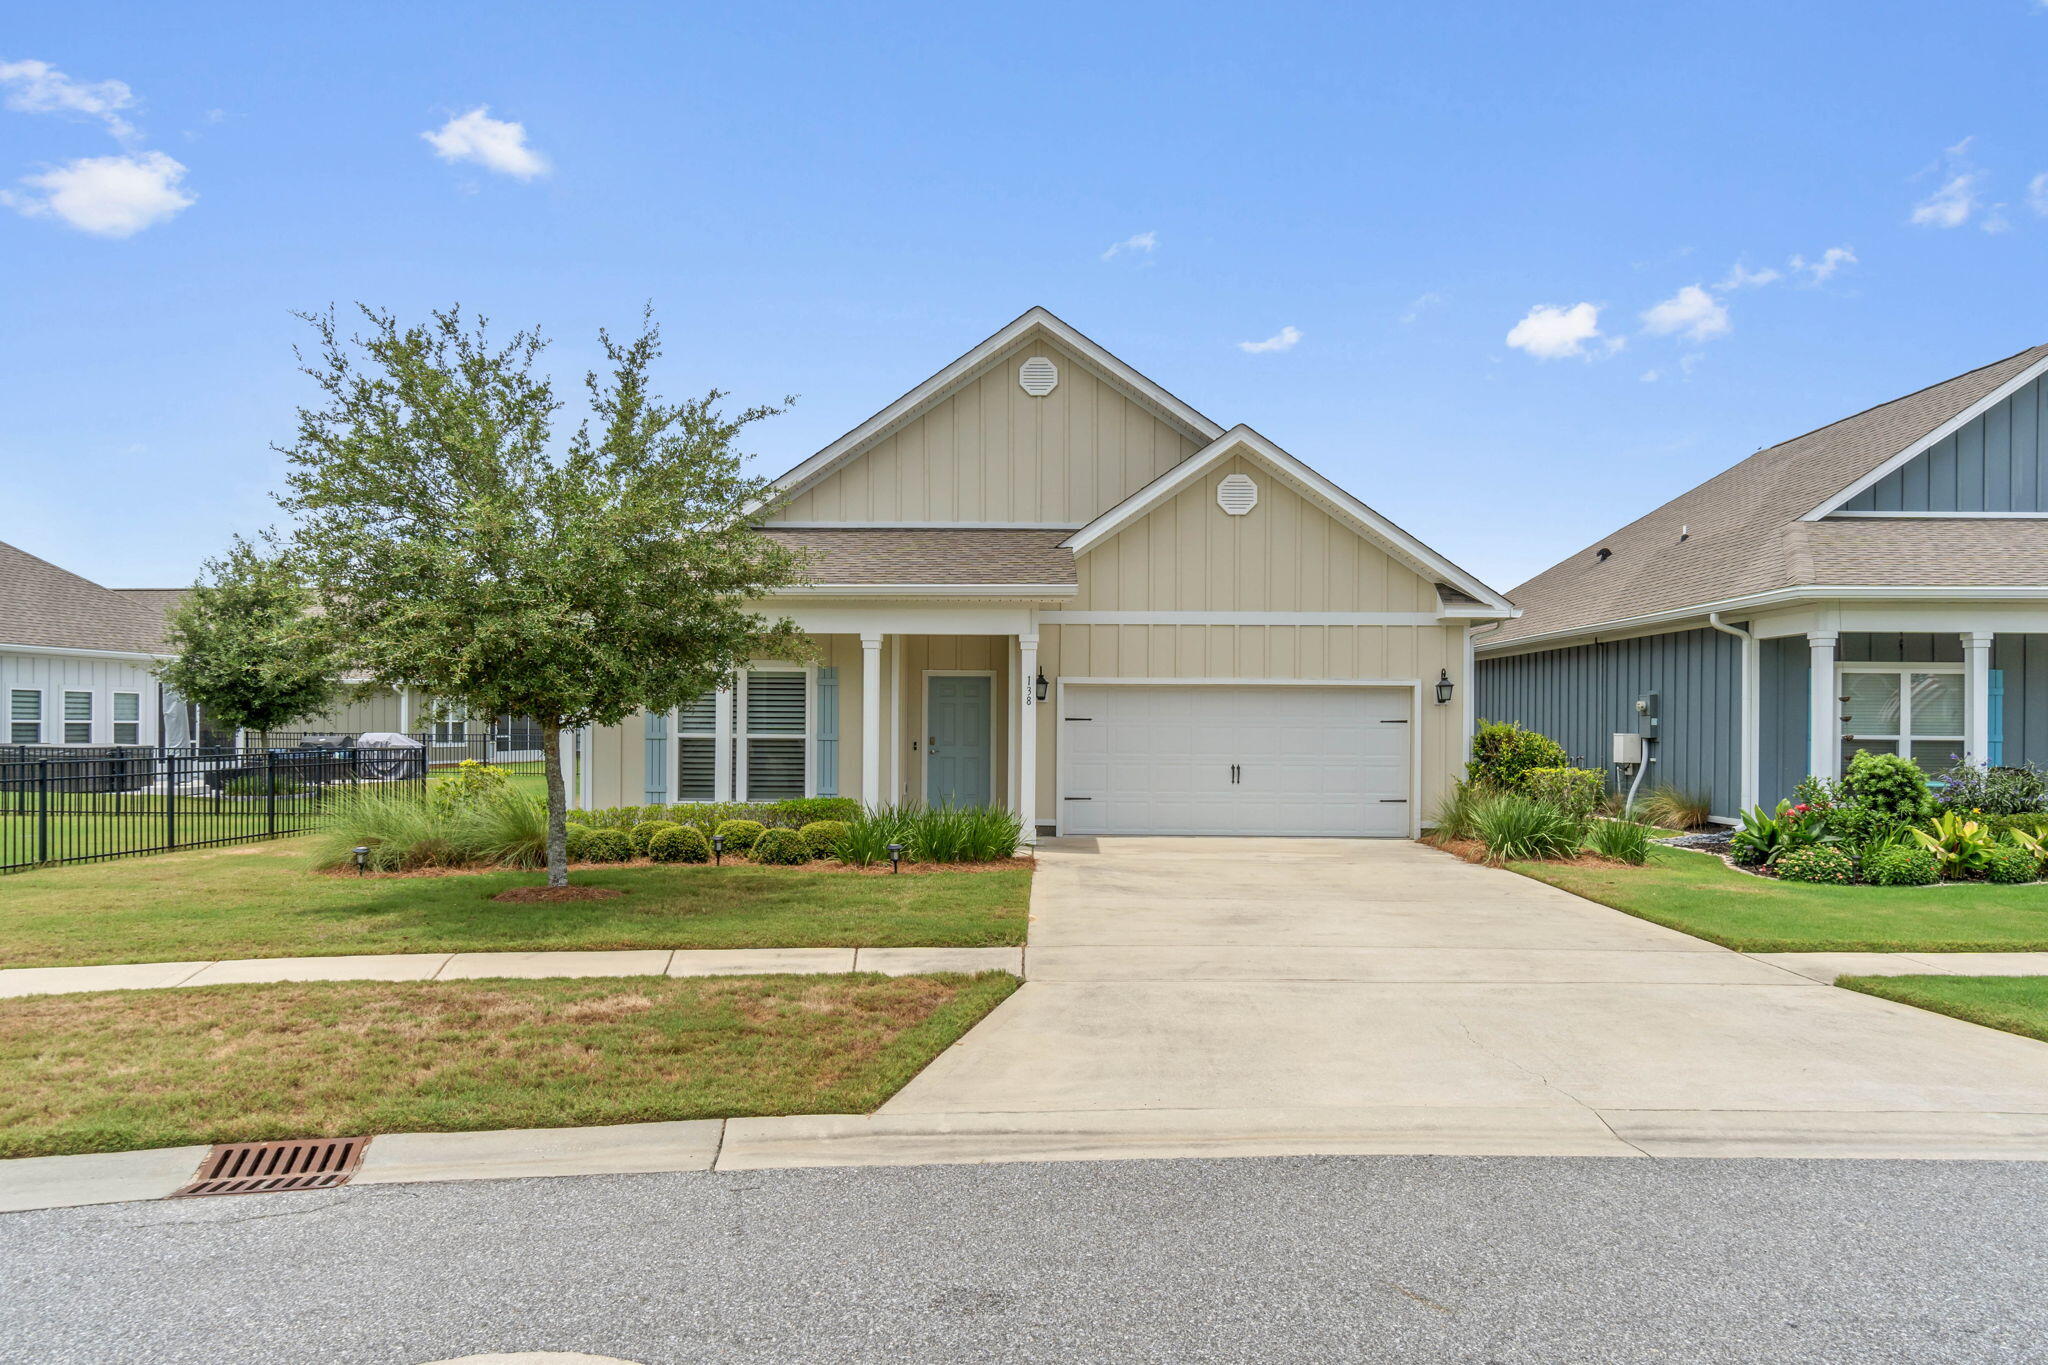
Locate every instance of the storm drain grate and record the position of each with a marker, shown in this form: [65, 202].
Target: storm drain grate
[275, 1167]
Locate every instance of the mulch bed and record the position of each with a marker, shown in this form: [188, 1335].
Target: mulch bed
[1472, 851]
[524, 894]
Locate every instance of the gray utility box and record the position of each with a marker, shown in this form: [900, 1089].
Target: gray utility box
[1628, 748]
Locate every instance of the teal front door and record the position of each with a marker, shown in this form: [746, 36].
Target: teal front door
[957, 762]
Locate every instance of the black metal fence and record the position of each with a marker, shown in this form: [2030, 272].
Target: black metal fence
[515, 749]
[78, 805]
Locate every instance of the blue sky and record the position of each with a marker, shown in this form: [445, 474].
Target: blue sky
[834, 201]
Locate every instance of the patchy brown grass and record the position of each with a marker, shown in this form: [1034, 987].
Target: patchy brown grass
[119, 1070]
[549, 895]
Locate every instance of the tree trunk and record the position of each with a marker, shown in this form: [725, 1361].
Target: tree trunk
[558, 804]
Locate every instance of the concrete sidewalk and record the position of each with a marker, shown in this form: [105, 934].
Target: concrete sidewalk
[473, 966]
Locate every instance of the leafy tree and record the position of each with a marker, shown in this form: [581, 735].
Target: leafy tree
[244, 652]
[457, 547]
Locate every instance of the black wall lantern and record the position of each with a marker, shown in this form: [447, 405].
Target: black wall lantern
[1443, 687]
[1042, 684]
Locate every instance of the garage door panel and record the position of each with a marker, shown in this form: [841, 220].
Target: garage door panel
[1158, 758]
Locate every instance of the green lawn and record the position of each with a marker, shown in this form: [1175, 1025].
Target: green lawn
[2017, 1004]
[261, 900]
[120, 1070]
[1702, 896]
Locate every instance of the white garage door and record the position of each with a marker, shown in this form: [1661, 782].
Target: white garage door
[1157, 758]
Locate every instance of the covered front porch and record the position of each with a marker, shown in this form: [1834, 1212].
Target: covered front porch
[1936, 682]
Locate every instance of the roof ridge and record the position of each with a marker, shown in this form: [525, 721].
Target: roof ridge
[1914, 393]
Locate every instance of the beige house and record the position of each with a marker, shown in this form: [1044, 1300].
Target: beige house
[1039, 580]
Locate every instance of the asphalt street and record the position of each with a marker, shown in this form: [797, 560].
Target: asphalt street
[1328, 1258]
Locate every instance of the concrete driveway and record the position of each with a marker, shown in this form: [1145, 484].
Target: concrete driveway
[1264, 996]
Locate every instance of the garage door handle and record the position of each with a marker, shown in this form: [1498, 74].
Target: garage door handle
[1393, 800]
[1077, 798]
[1393, 722]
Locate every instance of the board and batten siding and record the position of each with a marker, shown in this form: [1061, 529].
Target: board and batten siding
[993, 453]
[1997, 462]
[55, 674]
[1581, 695]
[1286, 554]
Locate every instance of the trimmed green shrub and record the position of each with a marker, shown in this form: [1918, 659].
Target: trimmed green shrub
[579, 842]
[1575, 791]
[1512, 825]
[1824, 864]
[679, 844]
[1856, 825]
[740, 835]
[1902, 865]
[608, 846]
[1622, 840]
[2009, 863]
[1893, 787]
[468, 783]
[822, 837]
[781, 848]
[643, 834]
[1501, 754]
[800, 811]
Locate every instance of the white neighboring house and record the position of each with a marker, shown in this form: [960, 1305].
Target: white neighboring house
[75, 660]
[1041, 581]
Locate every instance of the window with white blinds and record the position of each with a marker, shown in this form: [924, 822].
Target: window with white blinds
[78, 717]
[127, 718]
[25, 716]
[697, 736]
[774, 718]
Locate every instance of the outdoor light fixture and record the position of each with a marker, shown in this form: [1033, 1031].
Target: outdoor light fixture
[718, 850]
[362, 853]
[895, 857]
[1443, 687]
[1042, 684]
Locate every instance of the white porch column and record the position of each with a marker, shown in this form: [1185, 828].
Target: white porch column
[1013, 715]
[871, 720]
[404, 710]
[1824, 706]
[1977, 696]
[1027, 736]
[898, 664]
[721, 744]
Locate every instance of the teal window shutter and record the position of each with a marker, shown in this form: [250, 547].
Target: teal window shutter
[828, 732]
[657, 758]
[1996, 758]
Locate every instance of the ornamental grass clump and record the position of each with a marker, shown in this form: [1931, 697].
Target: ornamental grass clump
[1453, 818]
[1622, 840]
[1675, 808]
[1517, 827]
[501, 828]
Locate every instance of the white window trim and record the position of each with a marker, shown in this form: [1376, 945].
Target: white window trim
[457, 719]
[114, 721]
[42, 720]
[924, 775]
[1907, 736]
[740, 733]
[92, 715]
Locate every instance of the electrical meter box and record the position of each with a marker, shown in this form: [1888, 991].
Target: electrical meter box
[1628, 748]
[1646, 715]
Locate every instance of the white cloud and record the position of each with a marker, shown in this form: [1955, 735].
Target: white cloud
[1282, 340]
[35, 87]
[1831, 260]
[1740, 276]
[109, 196]
[2037, 188]
[1552, 333]
[1137, 243]
[1424, 302]
[1692, 311]
[494, 144]
[1951, 205]
[1651, 376]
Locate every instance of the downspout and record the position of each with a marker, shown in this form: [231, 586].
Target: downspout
[1748, 743]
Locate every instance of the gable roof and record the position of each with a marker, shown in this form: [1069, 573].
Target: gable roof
[1346, 509]
[1745, 531]
[929, 557]
[45, 607]
[942, 385]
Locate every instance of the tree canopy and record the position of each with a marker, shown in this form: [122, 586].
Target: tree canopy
[244, 652]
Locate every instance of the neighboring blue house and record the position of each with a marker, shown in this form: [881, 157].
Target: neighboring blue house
[1881, 583]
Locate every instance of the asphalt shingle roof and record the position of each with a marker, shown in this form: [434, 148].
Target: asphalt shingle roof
[53, 608]
[966, 556]
[1740, 532]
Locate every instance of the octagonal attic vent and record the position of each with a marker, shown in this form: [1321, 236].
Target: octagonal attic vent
[1038, 376]
[1237, 494]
